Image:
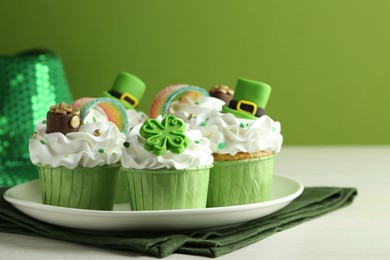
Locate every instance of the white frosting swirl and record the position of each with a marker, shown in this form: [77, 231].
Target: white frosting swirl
[135, 156]
[202, 104]
[135, 117]
[80, 148]
[230, 135]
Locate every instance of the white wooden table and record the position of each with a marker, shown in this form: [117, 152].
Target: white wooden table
[359, 231]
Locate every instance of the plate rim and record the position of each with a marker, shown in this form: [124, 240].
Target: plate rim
[74, 211]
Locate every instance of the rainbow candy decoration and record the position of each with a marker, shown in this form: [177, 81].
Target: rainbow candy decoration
[162, 100]
[81, 102]
[114, 110]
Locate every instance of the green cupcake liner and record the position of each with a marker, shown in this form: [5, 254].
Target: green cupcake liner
[83, 188]
[166, 189]
[122, 193]
[240, 182]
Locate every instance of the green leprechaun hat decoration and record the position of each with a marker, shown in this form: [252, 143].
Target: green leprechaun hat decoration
[249, 100]
[128, 89]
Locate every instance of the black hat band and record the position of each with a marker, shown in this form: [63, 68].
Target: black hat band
[125, 97]
[247, 107]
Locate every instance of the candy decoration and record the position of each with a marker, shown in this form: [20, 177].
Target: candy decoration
[97, 132]
[127, 89]
[190, 116]
[249, 100]
[222, 92]
[112, 109]
[75, 122]
[62, 118]
[158, 101]
[162, 100]
[79, 103]
[167, 135]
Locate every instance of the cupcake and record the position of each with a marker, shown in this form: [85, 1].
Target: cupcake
[167, 165]
[128, 90]
[78, 155]
[244, 142]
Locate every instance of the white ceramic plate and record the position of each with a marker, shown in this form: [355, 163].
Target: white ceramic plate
[26, 197]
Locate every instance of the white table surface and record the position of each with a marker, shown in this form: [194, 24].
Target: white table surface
[359, 231]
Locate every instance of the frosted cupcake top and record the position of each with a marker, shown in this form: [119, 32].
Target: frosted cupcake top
[165, 143]
[97, 142]
[230, 135]
[190, 108]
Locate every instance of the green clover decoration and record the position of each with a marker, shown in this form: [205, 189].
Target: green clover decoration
[167, 135]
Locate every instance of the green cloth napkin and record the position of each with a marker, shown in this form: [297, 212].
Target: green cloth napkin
[312, 203]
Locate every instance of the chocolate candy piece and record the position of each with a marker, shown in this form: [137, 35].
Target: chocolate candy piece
[222, 92]
[62, 118]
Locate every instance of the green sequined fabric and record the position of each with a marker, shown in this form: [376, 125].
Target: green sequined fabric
[30, 83]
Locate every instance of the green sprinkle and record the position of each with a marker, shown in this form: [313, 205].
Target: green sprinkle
[273, 129]
[66, 156]
[126, 144]
[42, 142]
[44, 122]
[196, 103]
[242, 125]
[204, 123]
[221, 146]
[113, 154]
[94, 119]
[197, 141]
[101, 150]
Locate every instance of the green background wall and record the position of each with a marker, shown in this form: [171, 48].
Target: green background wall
[327, 61]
